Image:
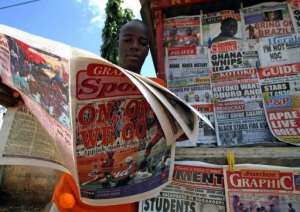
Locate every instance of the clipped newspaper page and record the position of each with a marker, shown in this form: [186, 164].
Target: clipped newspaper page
[266, 19]
[262, 188]
[240, 117]
[279, 77]
[188, 77]
[221, 26]
[182, 35]
[25, 142]
[38, 69]
[119, 138]
[196, 186]
[294, 8]
[237, 98]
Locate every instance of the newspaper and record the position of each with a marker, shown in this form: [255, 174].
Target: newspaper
[266, 19]
[279, 78]
[195, 187]
[239, 111]
[182, 35]
[294, 8]
[86, 116]
[262, 188]
[221, 26]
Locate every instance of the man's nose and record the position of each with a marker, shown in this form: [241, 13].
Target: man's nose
[135, 44]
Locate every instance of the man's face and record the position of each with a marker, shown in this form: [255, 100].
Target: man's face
[229, 28]
[133, 46]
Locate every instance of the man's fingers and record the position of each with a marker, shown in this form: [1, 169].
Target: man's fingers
[8, 101]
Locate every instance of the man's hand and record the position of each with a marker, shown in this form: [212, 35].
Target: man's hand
[8, 96]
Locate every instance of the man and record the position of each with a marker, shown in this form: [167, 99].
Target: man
[229, 27]
[133, 45]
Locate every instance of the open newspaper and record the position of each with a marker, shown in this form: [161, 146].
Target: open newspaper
[107, 127]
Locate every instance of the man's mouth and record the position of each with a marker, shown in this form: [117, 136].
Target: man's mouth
[132, 57]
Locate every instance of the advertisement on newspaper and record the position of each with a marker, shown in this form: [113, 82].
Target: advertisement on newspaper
[279, 78]
[38, 69]
[120, 145]
[182, 35]
[267, 19]
[294, 6]
[262, 188]
[195, 187]
[232, 55]
[221, 26]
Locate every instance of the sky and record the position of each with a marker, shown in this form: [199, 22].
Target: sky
[77, 23]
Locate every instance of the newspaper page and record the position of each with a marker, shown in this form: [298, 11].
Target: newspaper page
[266, 19]
[279, 76]
[119, 139]
[294, 7]
[188, 77]
[221, 26]
[238, 106]
[170, 100]
[182, 35]
[24, 141]
[262, 188]
[38, 69]
[196, 187]
[240, 118]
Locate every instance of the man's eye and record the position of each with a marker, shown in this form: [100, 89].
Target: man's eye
[144, 43]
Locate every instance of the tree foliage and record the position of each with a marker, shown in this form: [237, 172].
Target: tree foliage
[116, 16]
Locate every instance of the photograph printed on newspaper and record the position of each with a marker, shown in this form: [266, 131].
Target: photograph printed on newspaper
[196, 187]
[294, 7]
[262, 188]
[182, 35]
[266, 19]
[279, 77]
[221, 26]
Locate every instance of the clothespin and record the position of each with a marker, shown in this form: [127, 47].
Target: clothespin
[231, 160]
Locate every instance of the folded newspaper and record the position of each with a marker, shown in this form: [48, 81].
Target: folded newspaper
[106, 126]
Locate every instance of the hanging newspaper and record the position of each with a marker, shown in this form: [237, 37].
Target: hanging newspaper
[266, 19]
[221, 26]
[182, 35]
[232, 55]
[90, 118]
[188, 77]
[195, 187]
[279, 76]
[294, 7]
[240, 118]
[184, 71]
[262, 188]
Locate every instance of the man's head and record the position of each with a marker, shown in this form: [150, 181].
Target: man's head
[229, 27]
[133, 45]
